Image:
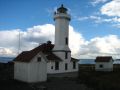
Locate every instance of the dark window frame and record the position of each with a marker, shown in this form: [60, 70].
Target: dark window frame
[101, 66]
[51, 67]
[66, 40]
[66, 66]
[39, 59]
[74, 65]
[56, 65]
[66, 55]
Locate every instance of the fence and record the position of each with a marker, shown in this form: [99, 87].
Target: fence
[91, 67]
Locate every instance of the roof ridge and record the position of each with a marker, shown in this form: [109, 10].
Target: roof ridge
[26, 56]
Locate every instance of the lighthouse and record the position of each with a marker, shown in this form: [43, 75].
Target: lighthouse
[61, 18]
[48, 58]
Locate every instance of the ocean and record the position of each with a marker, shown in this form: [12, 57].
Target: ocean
[82, 61]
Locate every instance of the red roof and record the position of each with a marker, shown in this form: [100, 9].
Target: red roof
[26, 56]
[103, 58]
[46, 48]
[53, 57]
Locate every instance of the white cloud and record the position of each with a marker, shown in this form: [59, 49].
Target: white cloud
[35, 35]
[97, 19]
[8, 42]
[116, 19]
[95, 2]
[82, 18]
[6, 52]
[76, 40]
[107, 45]
[117, 25]
[40, 31]
[109, 13]
[7, 37]
[94, 18]
[111, 8]
[29, 39]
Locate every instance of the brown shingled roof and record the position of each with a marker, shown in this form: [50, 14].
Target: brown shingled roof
[53, 57]
[74, 59]
[103, 59]
[26, 56]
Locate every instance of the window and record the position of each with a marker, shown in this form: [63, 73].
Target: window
[74, 65]
[39, 59]
[66, 55]
[101, 66]
[51, 67]
[66, 66]
[56, 65]
[66, 41]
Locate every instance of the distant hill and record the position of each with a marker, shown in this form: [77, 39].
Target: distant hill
[6, 59]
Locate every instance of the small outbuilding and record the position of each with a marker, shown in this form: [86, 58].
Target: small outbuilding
[104, 63]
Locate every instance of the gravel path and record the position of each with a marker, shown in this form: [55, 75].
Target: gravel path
[62, 84]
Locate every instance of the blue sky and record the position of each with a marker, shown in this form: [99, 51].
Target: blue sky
[27, 13]
[89, 17]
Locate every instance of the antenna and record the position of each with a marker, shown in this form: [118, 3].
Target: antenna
[19, 43]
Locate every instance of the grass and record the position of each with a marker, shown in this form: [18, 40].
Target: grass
[100, 80]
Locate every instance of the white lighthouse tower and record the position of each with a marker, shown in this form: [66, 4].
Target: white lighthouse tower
[61, 48]
[62, 18]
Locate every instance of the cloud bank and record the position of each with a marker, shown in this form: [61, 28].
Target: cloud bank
[36, 35]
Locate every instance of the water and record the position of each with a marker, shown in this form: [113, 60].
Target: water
[87, 61]
[82, 61]
[92, 61]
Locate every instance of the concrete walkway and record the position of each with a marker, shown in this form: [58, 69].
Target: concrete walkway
[59, 83]
[69, 74]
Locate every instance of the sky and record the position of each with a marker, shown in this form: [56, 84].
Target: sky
[94, 28]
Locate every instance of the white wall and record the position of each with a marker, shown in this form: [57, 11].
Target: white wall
[21, 71]
[61, 31]
[61, 64]
[107, 66]
[31, 72]
[37, 72]
[61, 67]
